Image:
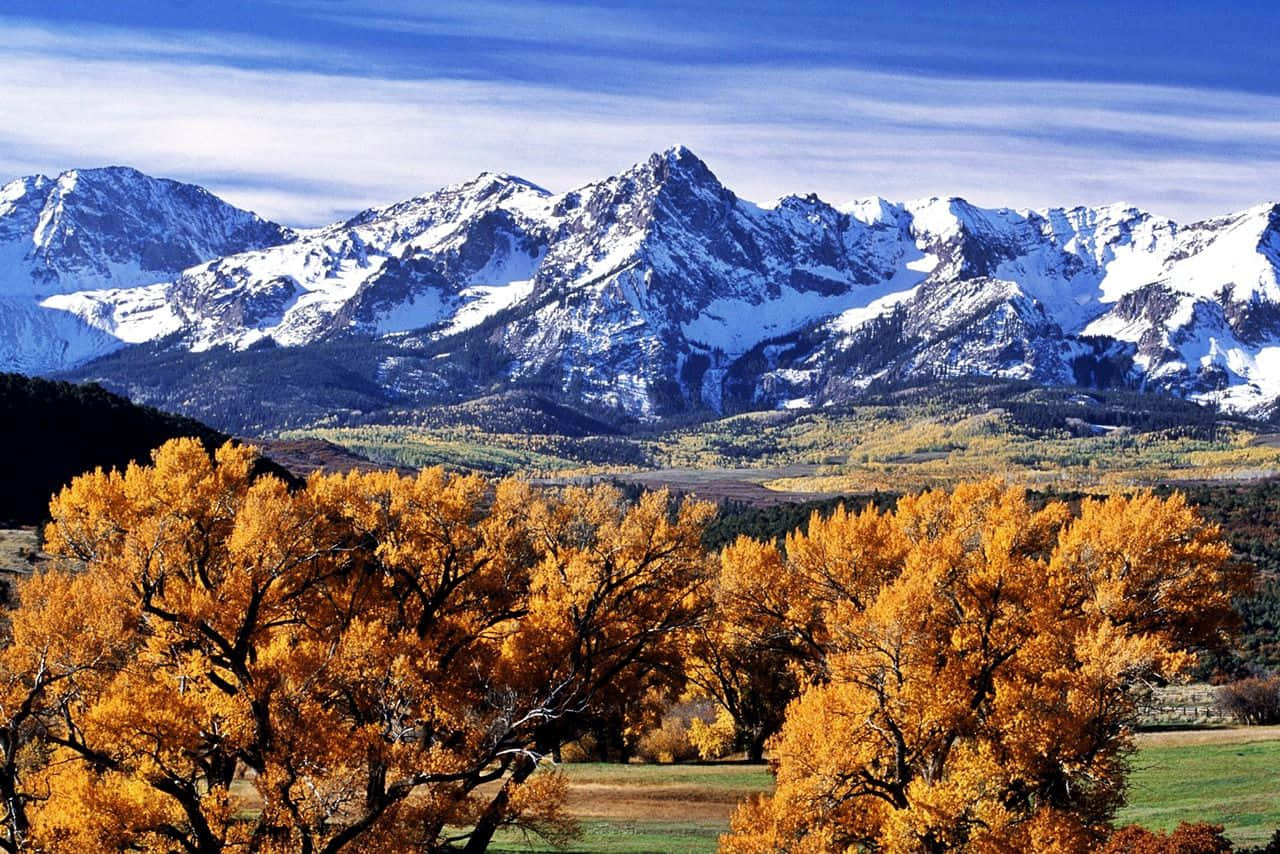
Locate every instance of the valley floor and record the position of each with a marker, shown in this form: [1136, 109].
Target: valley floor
[1045, 438]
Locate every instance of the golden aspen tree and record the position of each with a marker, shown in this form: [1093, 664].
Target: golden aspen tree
[977, 655]
[371, 663]
[767, 636]
[55, 650]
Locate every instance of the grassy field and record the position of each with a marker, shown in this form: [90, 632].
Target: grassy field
[1189, 777]
[628, 809]
[1230, 776]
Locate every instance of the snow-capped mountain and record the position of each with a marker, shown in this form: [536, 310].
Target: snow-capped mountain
[111, 228]
[659, 290]
[1059, 295]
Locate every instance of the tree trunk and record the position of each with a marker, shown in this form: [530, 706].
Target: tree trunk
[18, 827]
[493, 814]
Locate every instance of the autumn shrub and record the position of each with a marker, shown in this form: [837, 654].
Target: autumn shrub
[668, 742]
[1187, 838]
[585, 749]
[1252, 701]
[714, 739]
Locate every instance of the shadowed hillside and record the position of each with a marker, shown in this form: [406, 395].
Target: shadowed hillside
[53, 431]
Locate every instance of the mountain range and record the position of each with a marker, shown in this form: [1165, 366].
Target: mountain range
[656, 292]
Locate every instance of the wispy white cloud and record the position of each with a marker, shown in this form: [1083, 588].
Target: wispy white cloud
[591, 26]
[23, 38]
[306, 147]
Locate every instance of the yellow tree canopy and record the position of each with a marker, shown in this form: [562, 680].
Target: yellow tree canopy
[226, 663]
[974, 656]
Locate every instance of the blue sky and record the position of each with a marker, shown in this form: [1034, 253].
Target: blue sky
[307, 111]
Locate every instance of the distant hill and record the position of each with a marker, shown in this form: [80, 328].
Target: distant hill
[303, 457]
[52, 431]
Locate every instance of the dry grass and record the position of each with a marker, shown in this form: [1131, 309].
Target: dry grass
[19, 552]
[1197, 737]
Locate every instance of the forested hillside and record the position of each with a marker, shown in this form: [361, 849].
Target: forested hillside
[1250, 517]
[53, 431]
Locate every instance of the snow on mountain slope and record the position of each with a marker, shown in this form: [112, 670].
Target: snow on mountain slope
[1049, 295]
[616, 282]
[666, 275]
[1203, 310]
[102, 228]
[114, 227]
[405, 267]
[659, 290]
[34, 339]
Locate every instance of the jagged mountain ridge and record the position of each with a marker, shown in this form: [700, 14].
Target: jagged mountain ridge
[109, 228]
[659, 291]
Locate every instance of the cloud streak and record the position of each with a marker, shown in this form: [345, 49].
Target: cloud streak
[307, 146]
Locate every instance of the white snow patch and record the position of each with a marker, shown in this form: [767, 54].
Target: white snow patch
[735, 325]
[35, 340]
[484, 301]
[924, 264]
[508, 267]
[421, 310]
[131, 315]
[850, 320]
[871, 211]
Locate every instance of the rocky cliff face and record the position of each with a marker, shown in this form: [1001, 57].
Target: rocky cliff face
[659, 291]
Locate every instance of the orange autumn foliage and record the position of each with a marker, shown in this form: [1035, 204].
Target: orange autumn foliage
[767, 637]
[371, 663]
[972, 659]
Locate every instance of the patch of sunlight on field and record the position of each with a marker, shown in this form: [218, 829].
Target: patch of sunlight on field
[627, 837]
[646, 809]
[455, 448]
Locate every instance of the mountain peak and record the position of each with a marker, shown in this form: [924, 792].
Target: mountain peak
[504, 179]
[680, 151]
[653, 289]
[15, 190]
[485, 190]
[115, 226]
[872, 210]
[486, 185]
[677, 166]
[115, 171]
[680, 157]
[122, 178]
[1259, 219]
[1269, 211]
[941, 215]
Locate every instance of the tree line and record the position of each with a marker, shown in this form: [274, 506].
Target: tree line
[377, 662]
